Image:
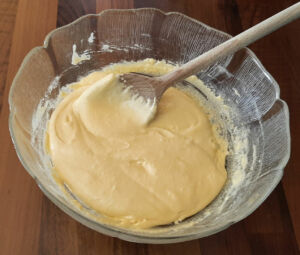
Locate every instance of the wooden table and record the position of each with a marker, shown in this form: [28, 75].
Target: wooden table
[31, 224]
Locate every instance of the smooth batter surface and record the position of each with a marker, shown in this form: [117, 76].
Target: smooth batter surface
[138, 175]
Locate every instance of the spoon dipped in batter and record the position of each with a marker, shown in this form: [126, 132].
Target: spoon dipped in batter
[152, 88]
[133, 174]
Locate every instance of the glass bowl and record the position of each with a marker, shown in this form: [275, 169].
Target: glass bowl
[130, 35]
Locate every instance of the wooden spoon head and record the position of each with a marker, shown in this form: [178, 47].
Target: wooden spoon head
[150, 88]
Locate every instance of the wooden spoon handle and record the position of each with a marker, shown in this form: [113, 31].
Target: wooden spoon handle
[232, 45]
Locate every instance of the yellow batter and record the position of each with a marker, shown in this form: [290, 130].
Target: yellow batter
[137, 175]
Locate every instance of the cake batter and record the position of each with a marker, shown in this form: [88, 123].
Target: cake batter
[136, 174]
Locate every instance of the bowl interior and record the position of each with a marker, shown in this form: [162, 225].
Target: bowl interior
[254, 109]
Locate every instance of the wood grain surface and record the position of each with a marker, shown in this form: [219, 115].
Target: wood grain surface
[8, 9]
[31, 224]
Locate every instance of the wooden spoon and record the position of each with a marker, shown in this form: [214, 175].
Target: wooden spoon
[152, 88]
